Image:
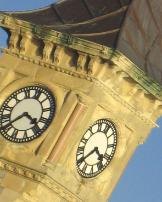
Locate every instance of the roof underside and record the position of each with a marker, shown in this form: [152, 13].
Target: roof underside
[94, 20]
[132, 26]
[141, 36]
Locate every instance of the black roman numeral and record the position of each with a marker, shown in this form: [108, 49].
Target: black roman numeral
[7, 127]
[36, 129]
[91, 171]
[5, 118]
[80, 150]
[106, 129]
[46, 109]
[84, 168]
[110, 145]
[99, 127]
[107, 157]
[25, 134]
[37, 94]
[14, 134]
[83, 140]
[79, 161]
[99, 165]
[27, 93]
[90, 129]
[9, 109]
[43, 120]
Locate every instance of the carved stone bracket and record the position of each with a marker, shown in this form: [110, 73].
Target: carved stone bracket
[82, 62]
[47, 50]
[13, 40]
[57, 54]
[24, 42]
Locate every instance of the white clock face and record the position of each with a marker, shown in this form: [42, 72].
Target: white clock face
[96, 148]
[26, 113]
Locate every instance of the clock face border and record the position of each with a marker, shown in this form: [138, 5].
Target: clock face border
[50, 97]
[115, 134]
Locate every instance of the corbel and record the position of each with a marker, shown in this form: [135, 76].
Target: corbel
[82, 61]
[13, 40]
[47, 50]
[26, 37]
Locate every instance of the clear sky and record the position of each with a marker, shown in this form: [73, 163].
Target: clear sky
[142, 180]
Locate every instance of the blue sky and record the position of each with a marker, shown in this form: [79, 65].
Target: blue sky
[142, 180]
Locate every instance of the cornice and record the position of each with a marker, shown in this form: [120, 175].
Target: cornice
[48, 65]
[89, 78]
[85, 46]
[138, 74]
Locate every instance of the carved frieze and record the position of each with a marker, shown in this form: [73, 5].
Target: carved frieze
[113, 71]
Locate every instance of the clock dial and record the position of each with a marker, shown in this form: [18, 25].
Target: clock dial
[96, 148]
[27, 113]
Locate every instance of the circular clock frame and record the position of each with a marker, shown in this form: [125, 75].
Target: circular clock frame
[96, 148]
[32, 123]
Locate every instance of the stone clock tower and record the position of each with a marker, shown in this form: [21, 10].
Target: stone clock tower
[73, 108]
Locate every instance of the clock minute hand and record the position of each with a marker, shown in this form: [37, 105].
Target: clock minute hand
[16, 119]
[84, 157]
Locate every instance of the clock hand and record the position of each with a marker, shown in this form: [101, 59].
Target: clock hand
[24, 114]
[32, 120]
[84, 157]
[16, 119]
[100, 156]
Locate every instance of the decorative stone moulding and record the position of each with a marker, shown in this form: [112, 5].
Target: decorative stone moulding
[38, 177]
[104, 66]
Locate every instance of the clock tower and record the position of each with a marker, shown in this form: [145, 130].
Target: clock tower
[73, 108]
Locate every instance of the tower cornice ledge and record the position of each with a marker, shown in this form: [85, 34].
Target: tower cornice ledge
[85, 60]
[67, 40]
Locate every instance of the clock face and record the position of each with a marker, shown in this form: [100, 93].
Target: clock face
[96, 148]
[26, 113]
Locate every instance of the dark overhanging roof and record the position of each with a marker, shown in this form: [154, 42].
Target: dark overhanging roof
[94, 20]
[133, 27]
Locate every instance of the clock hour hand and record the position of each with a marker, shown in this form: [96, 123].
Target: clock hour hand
[84, 157]
[100, 156]
[32, 120]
